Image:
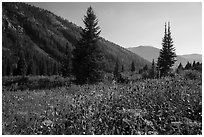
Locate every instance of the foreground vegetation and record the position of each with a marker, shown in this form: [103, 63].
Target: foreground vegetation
[170, 105]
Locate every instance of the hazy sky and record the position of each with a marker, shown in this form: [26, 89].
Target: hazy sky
[132, 24]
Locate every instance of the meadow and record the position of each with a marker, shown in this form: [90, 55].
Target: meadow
[169, 105]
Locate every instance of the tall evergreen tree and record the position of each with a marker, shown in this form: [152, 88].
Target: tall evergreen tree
[8, 68]
[44, 67]
[198, 66]
[66, 63]
[198, 63]
[49, 67]
[167, 54]
[194, 64]
[88, 58]
[152, 70]
[188, 65]
[180, 66]
[33, 66]
[145, 68]
[116, 72]
[21, 65]
[122, 68]
[55, 69]
[132, 66]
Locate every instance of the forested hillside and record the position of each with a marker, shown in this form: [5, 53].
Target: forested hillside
[43, 38]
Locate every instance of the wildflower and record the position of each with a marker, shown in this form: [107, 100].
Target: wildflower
[47, 123]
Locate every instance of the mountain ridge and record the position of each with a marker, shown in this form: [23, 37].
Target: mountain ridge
[44, 36]
[150, 53]
[192, 57]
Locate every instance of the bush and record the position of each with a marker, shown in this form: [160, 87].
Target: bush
[171, 74]
[145, 75]
[34, 82]
[192, 74]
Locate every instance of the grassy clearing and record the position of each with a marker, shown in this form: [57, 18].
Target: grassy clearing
[157, 106]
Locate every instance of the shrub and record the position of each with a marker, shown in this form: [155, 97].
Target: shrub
[35, 82]
[145, 75]
[192, 74]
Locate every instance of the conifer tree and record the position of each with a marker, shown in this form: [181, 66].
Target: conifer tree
[188, 65]
[8, 69]
[49, 67]
[116, 72]
[55, 69]
[21, 65]
[66, 63]
[33, 66]
[194, 64]
[198, 64]
[88, 58]
[44, 67]
[133, 66]
[167, 54]
[145, 68]
[29, 69]
[122, 68]
[152, 70]
[180, 66]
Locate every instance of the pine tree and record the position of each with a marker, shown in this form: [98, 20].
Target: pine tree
[152, 70]
[145, 68]
[33, 66]
[132, 66]
[194, 64]
[167, 55]
[88, 59]
[8, 69]
[66, 63]
[188, 65]
[21, 65]
[198, 64]
[44, 69]
[122, 68]
[49, 67]
[180, 66]
[55, 69]
[116, 72]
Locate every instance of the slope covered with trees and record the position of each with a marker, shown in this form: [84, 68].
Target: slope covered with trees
[46, 39]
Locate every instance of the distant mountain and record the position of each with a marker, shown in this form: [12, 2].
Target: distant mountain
[149, 53]
[44, 36]
[192, 57]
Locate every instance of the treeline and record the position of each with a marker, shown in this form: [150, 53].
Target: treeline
[35, 43]
[163, 66]
[190, 66]
[47, 42]
[25, 64]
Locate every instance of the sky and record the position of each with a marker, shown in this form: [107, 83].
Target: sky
[131, 24]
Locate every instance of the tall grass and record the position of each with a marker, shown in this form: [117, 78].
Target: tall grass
[158, 106]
